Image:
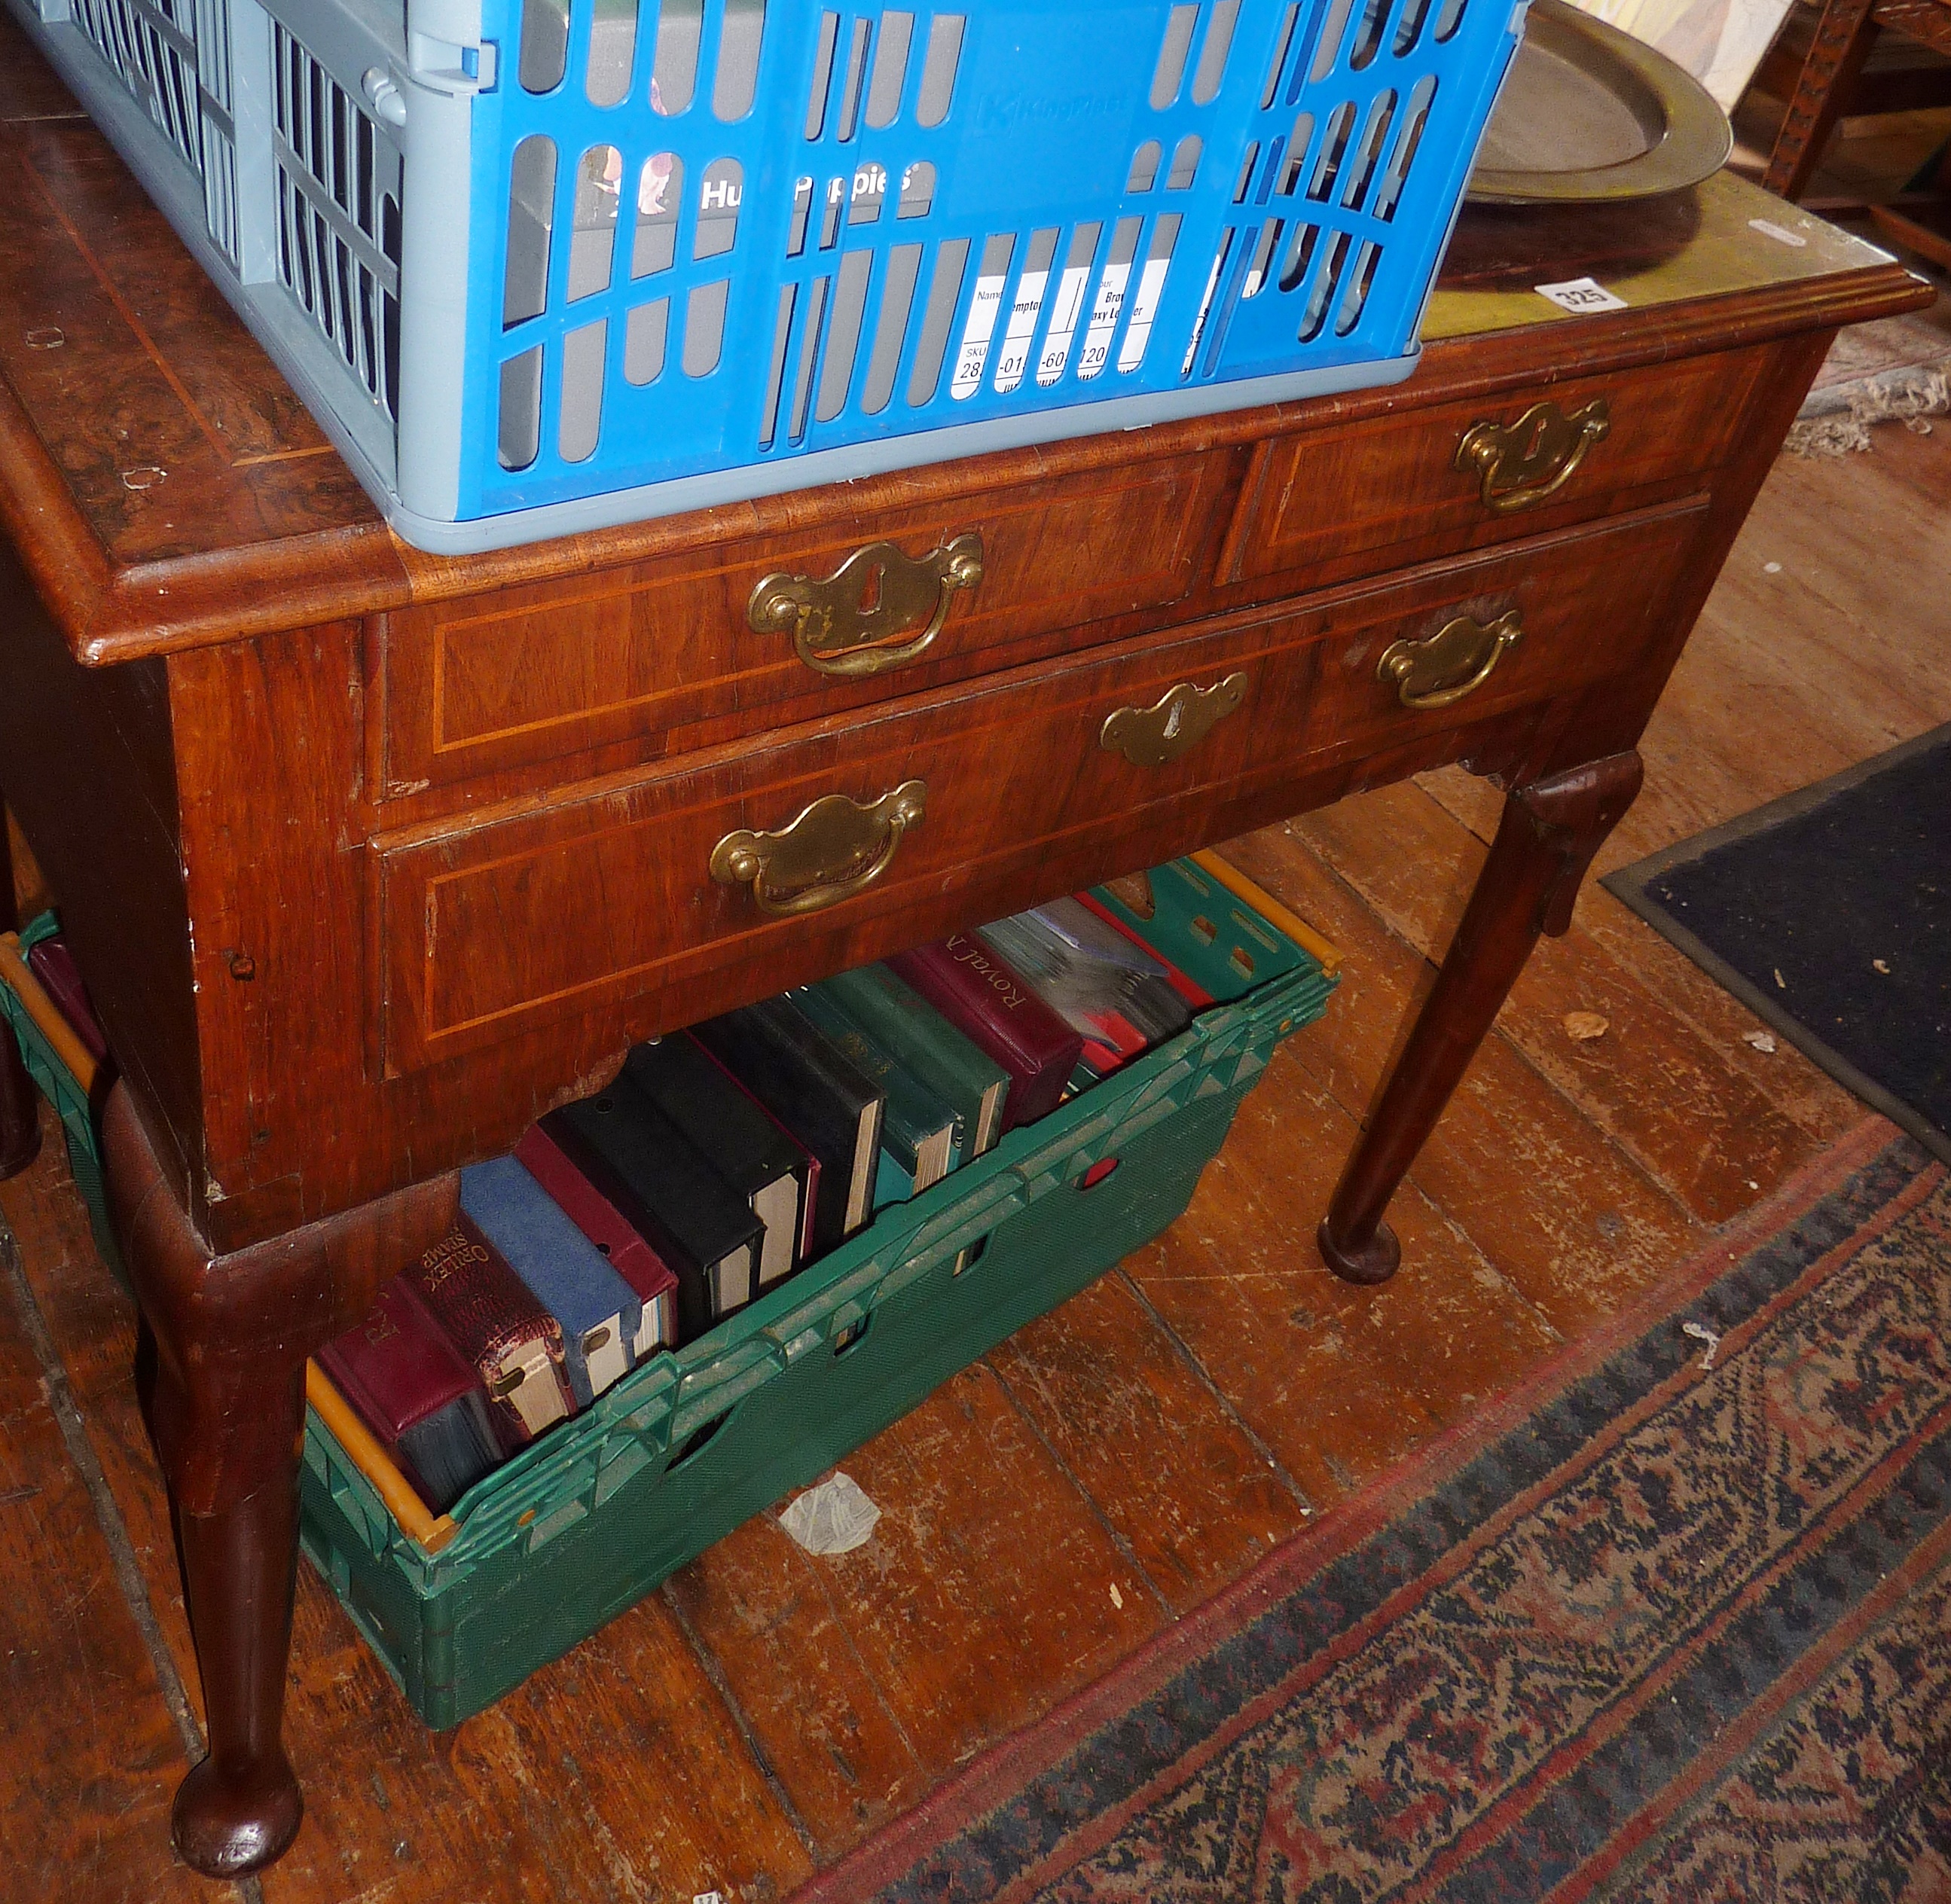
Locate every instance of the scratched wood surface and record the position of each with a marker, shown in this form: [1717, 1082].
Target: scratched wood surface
[1111, 1466]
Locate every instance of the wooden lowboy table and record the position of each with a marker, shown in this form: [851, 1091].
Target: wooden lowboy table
[369, 858]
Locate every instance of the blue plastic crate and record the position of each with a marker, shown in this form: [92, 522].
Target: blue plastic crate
[542, 265]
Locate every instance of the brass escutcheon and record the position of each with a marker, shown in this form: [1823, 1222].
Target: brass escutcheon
[1455, 661]
[834, 848]
[1521, 464]
[1149, 737]
[861, 620]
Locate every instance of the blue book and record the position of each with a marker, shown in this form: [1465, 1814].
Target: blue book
[600, 1314]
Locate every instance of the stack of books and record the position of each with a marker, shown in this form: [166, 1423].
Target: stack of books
[722, 1160]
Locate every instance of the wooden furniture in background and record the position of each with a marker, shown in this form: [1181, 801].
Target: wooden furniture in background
[1830, 81]
[370, 857]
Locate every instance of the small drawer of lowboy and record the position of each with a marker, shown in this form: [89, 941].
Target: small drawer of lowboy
[622, 667]
[810, 845]
[1509, 628]
[1391, 490]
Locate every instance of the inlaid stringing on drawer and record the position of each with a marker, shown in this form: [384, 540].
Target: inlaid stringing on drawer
[617, 888]
[645, 659]
[1401, 481]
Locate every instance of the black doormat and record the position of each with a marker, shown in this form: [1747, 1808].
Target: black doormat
[1828, 913]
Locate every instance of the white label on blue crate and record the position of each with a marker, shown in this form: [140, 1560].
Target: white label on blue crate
[1015, 357]
[1151, 282]
[1104, 318]
[1205, 310]
[1769, 228]
[983, 311]
[1581, 296]
[1070, 290]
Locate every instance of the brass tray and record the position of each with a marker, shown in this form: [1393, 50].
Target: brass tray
[1590, 114]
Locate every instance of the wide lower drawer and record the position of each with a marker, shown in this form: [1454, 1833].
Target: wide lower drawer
[1327, 504]
[620, 886]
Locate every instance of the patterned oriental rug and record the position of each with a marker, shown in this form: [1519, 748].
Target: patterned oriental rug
[1674, 1623]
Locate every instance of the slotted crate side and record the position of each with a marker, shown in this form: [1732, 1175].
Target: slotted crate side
[223, 201]
[893, 225]
[335, 178]
[150, 46]
[174, 57]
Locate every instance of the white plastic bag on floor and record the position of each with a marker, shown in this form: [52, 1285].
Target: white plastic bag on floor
[833, 1518]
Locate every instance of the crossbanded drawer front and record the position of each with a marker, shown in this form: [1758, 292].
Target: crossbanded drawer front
[1546, 617]
[780, 854]
[664, 656]
[1484, 470]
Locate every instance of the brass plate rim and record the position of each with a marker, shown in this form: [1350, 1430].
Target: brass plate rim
[1697, 141]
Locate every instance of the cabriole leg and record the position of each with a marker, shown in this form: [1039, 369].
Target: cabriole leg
[221, 1367]
[1545, 843]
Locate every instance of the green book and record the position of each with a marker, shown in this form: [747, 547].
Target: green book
[918, 1133]
[954, 1066]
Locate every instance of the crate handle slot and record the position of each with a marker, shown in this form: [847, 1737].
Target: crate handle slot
[697, 1440]
[861, 620]
[1002, 1197]
[793, 1334]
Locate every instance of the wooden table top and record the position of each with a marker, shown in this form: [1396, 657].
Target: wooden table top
[167, 490]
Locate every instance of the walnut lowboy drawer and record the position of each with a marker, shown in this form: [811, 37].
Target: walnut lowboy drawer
[605, 893]
[1398, 495]
[660, 658]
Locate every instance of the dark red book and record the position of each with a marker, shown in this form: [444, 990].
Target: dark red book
[411, 1387]
[979, 994]
[586, 1205]
[486, 1311]
[53, 964]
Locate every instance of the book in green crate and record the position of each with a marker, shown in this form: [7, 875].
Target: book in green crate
[918, 1147]
[949, 1063]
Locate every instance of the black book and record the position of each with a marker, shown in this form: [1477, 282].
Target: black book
[660, 1185]
[822, 1097]
[745, 1147]
[451, 1450]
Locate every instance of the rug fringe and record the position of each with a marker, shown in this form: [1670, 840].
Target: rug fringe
[1908, 396]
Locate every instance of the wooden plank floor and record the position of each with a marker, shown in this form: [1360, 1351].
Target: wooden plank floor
[1110, 1467]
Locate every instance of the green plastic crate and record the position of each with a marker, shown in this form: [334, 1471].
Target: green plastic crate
[603, 1508]
[70, 1102]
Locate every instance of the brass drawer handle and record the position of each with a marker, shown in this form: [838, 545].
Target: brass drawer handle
[1521, 464]
[853, 623]
[834, 849]
[1455, 661]
[1149, 737]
